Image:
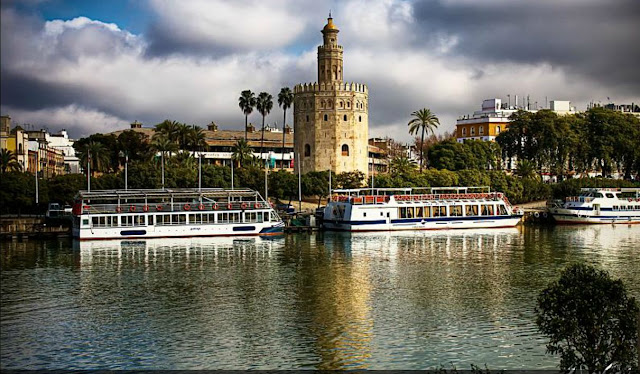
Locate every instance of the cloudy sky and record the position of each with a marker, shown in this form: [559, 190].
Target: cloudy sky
[96, 66]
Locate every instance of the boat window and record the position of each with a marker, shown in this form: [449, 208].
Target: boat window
[615, 207]
[598, 194]
[149, 220]
[487, 210]
[455, 210]
[274, 217]
[410, 212]
[235, 217]
[402, 212]
[471, 210]
[419, 212]
[609, 195]
[223, 218]
[439, 211]
[85, 221]
[95, 221]
[502, 210]
[427, 211]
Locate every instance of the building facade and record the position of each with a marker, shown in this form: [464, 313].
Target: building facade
[493, 118]
[331, 117]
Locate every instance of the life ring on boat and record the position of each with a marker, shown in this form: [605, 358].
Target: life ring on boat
[201, 207]
[186, 207]
[544, 215]
[145, 208]
[214, 206]
[132, 208]
[118, 209]
[243, 206]
[229, 206]
[630, 200]
[159, 208]
[256, 206]
[536, 214]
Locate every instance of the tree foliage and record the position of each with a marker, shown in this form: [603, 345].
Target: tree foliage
[590, 321]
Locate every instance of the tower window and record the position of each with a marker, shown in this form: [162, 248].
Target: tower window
[307, 118]
[345, 150]
[348, 104]
[345, 117]
[326, 117]
[359, 118]
[307, 150]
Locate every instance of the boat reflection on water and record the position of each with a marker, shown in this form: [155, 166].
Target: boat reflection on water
[177, 249]
[393, 243]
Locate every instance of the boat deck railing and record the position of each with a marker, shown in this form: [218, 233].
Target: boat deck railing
[382, 199]
[171, 207]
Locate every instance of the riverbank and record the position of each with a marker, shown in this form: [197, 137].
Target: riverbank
[39, 227]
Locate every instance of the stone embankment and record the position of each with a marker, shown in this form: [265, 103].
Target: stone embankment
[24, 227]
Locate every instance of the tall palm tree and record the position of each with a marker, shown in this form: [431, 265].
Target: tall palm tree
[242, 153]
[96, 154]
[183, 132]
[424, 120]
[246, 102]
[285, 99]
[9, 161]
[264, 104]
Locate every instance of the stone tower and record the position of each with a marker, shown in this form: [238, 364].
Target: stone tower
[331, 121]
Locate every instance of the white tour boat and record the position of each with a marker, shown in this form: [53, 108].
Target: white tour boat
[599, 205]
[419, 209]
[126, 214]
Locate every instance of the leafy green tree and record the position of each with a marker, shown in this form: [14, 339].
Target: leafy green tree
[264, 104]
[196, 140]
[9, 161]
[134, 144]
[590, 321]
[106, 150]
[63, 188]
[401, 165]
[424, 121]
[283, 185]
[285, 99]
[242, 153]
[214, 176]
[246, 102]
[351, 179]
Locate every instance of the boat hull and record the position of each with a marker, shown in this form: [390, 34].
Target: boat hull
[448, 223]
[570, 217]
[180, 231]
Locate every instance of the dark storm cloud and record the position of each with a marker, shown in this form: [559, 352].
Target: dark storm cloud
[162, 41]
[595, 39]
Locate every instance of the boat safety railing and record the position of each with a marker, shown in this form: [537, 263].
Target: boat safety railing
[579, 199]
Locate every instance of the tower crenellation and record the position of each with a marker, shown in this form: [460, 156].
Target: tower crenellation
[331, 122]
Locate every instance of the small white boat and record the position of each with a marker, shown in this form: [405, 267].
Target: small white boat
[389, 209]
[599, 205]
[129, 214]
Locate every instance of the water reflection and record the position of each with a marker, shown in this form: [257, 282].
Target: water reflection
[412, 300]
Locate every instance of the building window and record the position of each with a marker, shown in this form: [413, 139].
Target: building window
[464, 131]
[345, 150]
[345, 117]
[359, 118]
[307, 150]
[473, 131]
[481, 130]
[326, 117]
[497, 129]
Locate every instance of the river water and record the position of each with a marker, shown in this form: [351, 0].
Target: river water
[414, 300]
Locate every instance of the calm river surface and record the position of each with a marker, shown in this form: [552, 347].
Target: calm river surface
[413, 300]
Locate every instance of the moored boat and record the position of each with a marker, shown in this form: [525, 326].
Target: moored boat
[125, 214]
[599, 205]
[388, 209]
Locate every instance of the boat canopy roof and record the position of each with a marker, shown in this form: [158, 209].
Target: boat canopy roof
[409, 190]
[178, 193]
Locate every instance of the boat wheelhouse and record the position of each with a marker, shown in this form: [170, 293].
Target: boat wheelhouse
[599, 205]
[125, 214]
[419, 209]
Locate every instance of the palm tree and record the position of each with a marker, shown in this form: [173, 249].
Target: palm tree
[527, 170]
[9, 161]
[161, 143]
[424, 120]
[285, 99]
[96, 154]
[169, 129]
[196, 139]
[401, 165]
[264, 104]
[246, 102]
[242, 153]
